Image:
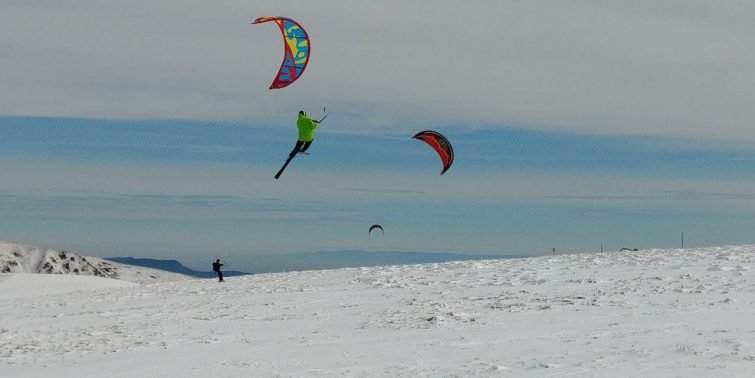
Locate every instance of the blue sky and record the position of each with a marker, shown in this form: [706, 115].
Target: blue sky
[189, 189]
[144, 129]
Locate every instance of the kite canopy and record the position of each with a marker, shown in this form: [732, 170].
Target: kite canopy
[440, 144]
[374, 226]
[296, 50]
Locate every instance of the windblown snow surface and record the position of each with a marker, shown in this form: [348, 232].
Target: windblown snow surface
[659, 313]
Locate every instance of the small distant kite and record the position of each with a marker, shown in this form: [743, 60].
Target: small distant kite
[440, 144]
[374, 226]
[296, 50]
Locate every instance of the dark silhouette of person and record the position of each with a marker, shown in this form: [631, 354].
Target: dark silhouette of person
[216, 268]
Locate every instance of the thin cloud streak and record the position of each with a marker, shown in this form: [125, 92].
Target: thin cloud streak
[673, 195]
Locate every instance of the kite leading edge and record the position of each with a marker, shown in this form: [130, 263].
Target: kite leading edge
[376, 226]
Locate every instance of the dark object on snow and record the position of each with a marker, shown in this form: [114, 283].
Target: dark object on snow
[628, 249]
[216, 268]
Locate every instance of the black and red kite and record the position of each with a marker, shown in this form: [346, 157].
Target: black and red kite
[440, 144]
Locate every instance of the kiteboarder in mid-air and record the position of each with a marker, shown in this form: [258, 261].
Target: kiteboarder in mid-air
[306, 128]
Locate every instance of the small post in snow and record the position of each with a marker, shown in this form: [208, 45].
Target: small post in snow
[682, 239]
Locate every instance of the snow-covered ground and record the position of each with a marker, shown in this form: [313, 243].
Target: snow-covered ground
[16, 258]
[659, 313]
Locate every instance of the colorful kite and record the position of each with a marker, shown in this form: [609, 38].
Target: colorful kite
[296, 50]
[440, 144]
[374, 226]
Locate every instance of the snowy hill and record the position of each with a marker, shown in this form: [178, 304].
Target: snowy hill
[15, 258]
[354, 259]
[652, 313]
[321, 260]
[172, 266]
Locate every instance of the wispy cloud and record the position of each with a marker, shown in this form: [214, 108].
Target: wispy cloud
[599, 197]
[385, 191]
[589, 66]
[671, 195]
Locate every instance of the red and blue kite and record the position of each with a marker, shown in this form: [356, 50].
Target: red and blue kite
[296, 49]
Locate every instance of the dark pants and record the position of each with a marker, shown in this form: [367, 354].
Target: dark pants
[301, 146]
[220, 275]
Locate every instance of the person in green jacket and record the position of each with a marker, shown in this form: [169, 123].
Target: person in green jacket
[306, 128]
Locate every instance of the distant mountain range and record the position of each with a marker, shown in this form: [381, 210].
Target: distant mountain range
[172, 266]
[312, 261]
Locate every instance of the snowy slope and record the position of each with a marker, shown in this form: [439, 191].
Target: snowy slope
[23, 285]
[659, 313]
[15, 258]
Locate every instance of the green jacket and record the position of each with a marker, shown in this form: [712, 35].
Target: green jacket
[306, 128]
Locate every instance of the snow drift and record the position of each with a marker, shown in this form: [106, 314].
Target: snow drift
[645, 313]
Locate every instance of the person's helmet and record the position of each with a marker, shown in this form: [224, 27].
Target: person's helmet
[301, 112]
